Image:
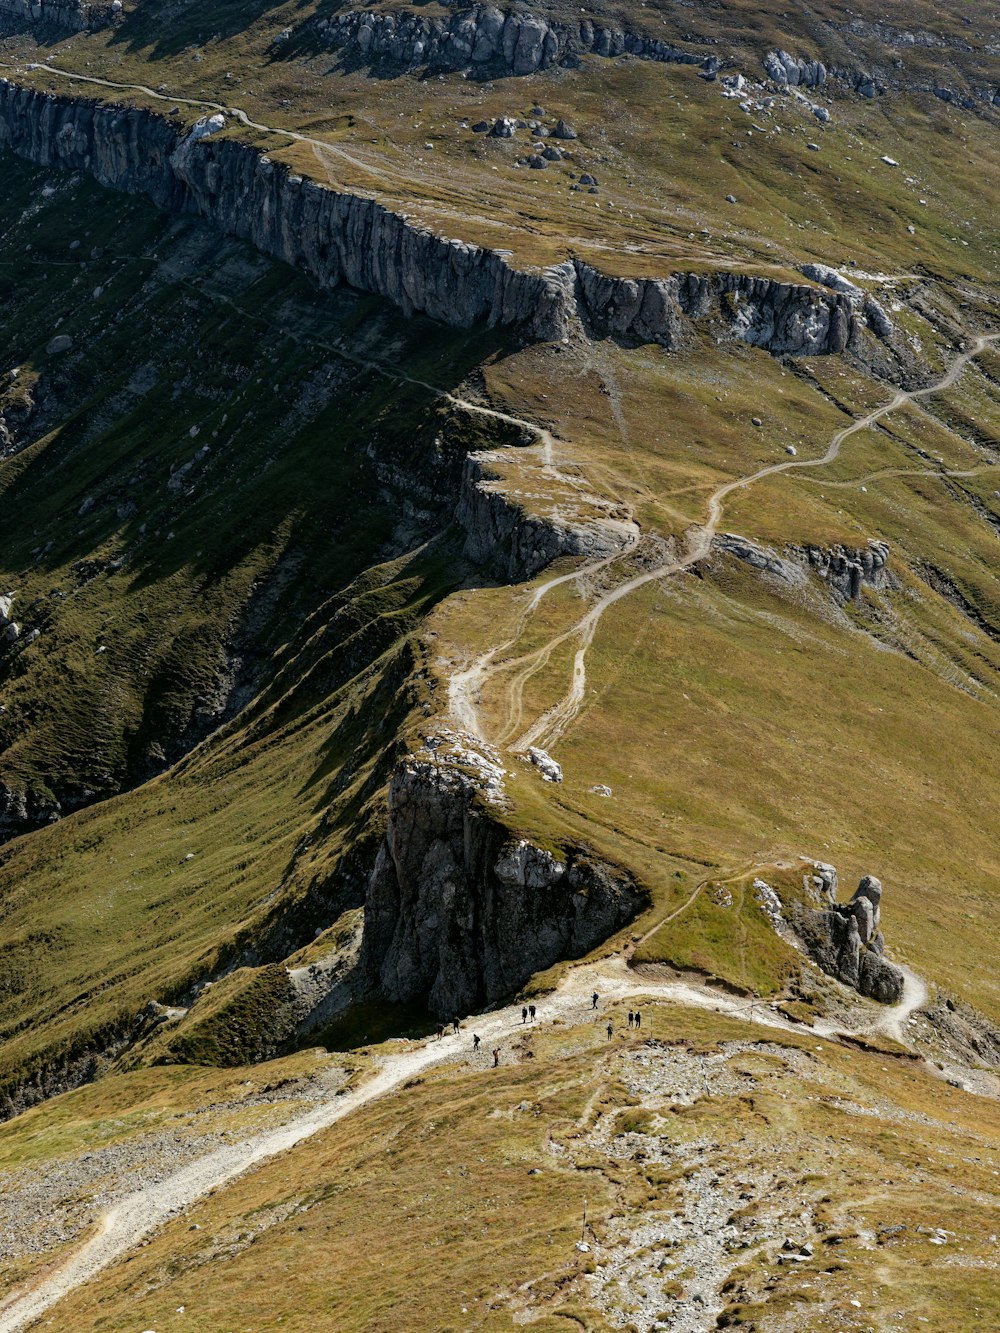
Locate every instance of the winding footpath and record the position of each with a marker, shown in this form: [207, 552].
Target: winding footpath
[553, 723]
[124, 1225]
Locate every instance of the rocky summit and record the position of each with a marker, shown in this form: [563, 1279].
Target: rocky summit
[500, 524]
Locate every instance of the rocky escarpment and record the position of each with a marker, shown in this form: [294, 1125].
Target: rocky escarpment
[784, 317]
[459, 913]
[887, 72]
[338, 237]
[55, 15]
[844, 938]
[844, 571]
[516, 542]
[487, 39]
[335, 237]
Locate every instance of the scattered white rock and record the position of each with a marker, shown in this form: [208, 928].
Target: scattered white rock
[889, 161]
[62, 342]
[600, 790]
[546, 765]
[791, 449]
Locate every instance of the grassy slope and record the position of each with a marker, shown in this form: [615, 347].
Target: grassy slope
[295, 560]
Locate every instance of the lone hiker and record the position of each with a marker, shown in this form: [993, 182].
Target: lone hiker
[531, 1012]
[496, 1057]
[475, 1042]
[611, 1032]
[524, 1013]
[593, 1000]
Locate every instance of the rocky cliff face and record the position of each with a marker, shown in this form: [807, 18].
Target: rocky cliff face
[338, 237]
[460, 914]
[843, 570]
[783, 317]
[845, 939]
[517, 544]
[54, 15]
[486, 39]
[334, 237]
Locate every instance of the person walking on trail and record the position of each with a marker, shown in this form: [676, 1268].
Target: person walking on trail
[496, 1058]
[638, 1020]
[475, 1042]
[611, 1031]
[524, 1013]
[631, 1018]
[440, 1031]
[531, 1012]
[456, 1025]
[593, 1000]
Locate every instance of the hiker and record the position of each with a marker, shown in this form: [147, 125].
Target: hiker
[638, 1020]
[593, 1000]
[531, 1012]
[631, 1018]
[455, 1024]
[475, 1042]
[524, 1013]
[496, 1058]
[440, 1032]
[611, 1032]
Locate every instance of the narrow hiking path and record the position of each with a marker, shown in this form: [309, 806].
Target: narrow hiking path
[124, 1225]
[553, 723]
[131, 1219]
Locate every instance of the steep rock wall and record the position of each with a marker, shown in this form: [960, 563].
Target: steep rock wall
[459, 914]
[485, 37]
[783, 317]
[342, 237]
[54, 15]
[333, 236]
[845, 939]
[517, 544]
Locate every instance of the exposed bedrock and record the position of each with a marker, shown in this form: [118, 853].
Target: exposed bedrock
[460, 913]
[515, 542]
[333, 236]
[485, 37]
[844, 570]
[54, 15]
[845, 939]
[337, 237]
[783, 317]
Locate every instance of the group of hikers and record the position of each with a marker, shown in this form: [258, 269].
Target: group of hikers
[528, 1013]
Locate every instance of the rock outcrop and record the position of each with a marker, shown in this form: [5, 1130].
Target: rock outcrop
[54, 15]
[784, 317]
[459, 913]
[487, 39]
[794, 72]
[516, 542]
[847, 570]
[335, 237]
[845, 939]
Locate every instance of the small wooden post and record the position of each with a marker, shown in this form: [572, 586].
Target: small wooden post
[583, 1233]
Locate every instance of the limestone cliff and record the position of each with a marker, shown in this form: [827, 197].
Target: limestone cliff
[487, 39]
[460, 913]
[341, 237]
[517, 543]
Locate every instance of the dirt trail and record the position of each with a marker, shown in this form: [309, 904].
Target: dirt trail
[554, 722]
[124, 1225]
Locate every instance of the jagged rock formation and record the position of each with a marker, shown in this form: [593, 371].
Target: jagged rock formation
[488, 39]
[784, 317]
[844, 938]
[333, 236]
[794, 72]
[459, 914]
[846, 571]
[57, 15]
[517, 544]
[338, 237]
